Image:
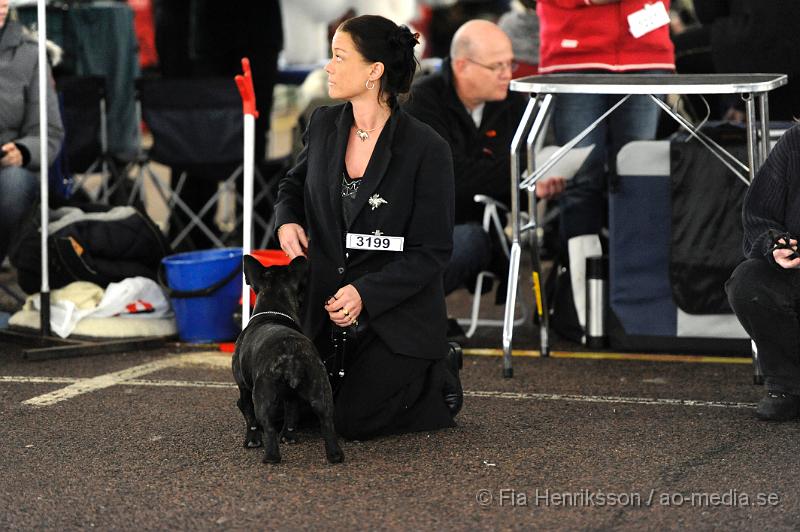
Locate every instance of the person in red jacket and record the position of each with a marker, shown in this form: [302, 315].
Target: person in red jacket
[601, 36]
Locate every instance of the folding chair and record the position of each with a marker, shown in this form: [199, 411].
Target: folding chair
[197, 127]
[83, 112]
[491, 223]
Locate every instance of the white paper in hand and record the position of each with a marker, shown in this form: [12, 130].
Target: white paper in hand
[567, 166]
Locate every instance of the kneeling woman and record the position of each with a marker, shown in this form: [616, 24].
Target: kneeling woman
[370, 202]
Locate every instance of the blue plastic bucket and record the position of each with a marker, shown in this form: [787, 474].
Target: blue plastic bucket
[205, 289]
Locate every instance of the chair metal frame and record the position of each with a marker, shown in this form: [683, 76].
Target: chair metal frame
[104, 162]
[170, 195]
[491, 222]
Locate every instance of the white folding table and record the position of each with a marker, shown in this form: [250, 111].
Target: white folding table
[754, 89]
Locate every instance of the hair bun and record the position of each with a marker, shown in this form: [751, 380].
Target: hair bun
[404, 38]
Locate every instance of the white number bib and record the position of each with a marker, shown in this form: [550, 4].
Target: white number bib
[375, 243]
[647, 19]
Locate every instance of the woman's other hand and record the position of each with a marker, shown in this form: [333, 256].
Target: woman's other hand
[550, 188]
[12, 157]
[345, 306]
[782, 256]
[293, 239]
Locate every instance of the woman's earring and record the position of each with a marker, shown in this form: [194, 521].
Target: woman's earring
[368, 86]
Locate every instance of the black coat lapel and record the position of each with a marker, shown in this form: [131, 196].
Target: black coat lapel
[378, 164]
[335, 148]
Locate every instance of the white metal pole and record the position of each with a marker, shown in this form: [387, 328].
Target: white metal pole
[247, 216]
[44, 313]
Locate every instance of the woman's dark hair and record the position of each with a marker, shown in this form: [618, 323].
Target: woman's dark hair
[379, 39]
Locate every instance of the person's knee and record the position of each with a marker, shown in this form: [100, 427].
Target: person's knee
[472, 253]
[755, 282]
[18, 189]
[470, 240]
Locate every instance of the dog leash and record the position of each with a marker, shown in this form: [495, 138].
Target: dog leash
[339, 340]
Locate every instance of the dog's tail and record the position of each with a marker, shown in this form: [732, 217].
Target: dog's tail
[291, 368]
[296, 373]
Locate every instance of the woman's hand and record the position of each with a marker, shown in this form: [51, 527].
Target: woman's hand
[781, 256]
[345, 306]
[550, 188]
[12, 157]
[293, 239]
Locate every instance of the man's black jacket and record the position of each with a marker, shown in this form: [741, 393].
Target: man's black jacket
[481, 157]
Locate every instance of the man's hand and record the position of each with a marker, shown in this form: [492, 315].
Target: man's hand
[12, 157]
[550, 188]
[345, 306]
[293, 240]
[781, 256]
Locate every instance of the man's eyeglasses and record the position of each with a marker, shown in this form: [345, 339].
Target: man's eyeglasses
[497, 68]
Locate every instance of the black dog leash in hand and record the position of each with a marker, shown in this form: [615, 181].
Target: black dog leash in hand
[339, 345]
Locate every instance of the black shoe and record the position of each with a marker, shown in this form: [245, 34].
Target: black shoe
[778, 406]
[455, 356]
[453, 393]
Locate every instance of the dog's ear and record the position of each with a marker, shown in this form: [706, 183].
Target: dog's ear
[299, 266]
[299, 269]
[252, 269]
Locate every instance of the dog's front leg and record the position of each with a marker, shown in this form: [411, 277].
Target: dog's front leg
[252, 437]
[291, 417]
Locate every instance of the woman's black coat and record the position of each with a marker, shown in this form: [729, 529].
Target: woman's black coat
[411, 169]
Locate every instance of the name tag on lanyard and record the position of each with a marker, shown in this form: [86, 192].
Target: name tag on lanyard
[374, 243]
[647, 19]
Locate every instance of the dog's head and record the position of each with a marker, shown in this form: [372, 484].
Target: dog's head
[276, 287]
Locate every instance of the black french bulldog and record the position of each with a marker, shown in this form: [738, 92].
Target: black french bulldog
[275, 364]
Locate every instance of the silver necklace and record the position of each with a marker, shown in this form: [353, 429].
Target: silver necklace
[349, 186]
[363, 134]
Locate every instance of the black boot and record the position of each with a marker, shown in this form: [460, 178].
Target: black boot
[453, 393]
[778, 406]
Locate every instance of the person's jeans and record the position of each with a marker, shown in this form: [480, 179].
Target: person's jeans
[19, 189]
[767, 302]
[582, 204]
[472, 253]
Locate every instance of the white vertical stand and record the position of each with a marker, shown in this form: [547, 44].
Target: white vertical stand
[247, 216]
[44, 313]
[245, 84]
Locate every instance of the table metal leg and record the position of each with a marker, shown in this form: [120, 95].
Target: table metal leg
[513, 267]
[537, 274]
[758, 376]
[763, 103]
[508, 318]
[752, 148]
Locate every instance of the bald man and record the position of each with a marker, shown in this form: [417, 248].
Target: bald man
[468, 103]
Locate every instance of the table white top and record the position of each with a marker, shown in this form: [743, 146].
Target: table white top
[608, 83]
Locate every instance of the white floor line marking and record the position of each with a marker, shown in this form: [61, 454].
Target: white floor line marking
[39, 380]
[180, 384]
[79, 386]
[606, 399]
[103, 381]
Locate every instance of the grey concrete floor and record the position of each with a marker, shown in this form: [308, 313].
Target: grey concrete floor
[153, 440]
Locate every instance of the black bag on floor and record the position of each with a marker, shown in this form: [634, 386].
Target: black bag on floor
[561, 305]
[96, 243]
